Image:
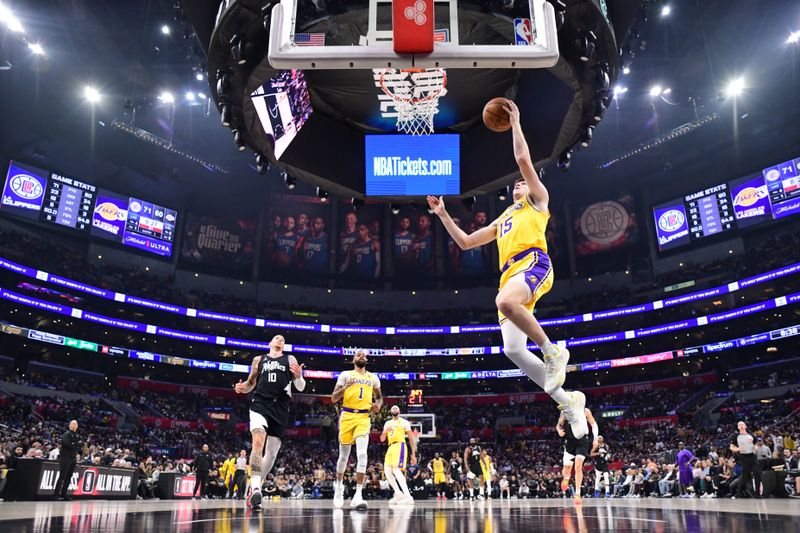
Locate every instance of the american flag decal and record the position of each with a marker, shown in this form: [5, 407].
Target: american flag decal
[309, 39]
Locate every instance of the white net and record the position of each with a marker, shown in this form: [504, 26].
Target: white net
[416, 94]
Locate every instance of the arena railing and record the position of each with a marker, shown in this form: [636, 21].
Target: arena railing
[638, 360]
[80, 314]
[387, 330]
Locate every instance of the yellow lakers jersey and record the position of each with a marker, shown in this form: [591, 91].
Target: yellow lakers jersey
[486, 463]
[520, 227]
[438, 466]
[396, 430]
[359, 395]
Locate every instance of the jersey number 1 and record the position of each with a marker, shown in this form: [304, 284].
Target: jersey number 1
[361, 393]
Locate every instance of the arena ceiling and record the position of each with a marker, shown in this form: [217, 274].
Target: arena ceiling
[120, 48]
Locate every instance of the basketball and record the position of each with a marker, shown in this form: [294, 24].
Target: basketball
[494, 116]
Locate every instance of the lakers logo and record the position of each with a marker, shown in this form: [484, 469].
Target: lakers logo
[749, 195]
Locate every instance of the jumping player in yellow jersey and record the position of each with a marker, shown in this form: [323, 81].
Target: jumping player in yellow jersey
[360, 392]
[526, 276]
[394, 465]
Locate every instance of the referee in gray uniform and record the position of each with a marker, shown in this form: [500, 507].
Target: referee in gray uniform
[744, 447]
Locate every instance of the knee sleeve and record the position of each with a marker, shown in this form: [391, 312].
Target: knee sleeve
[344, 455]
[361, 454]
[271, 450]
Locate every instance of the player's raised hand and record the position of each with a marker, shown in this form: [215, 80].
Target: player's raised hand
[296, 370]
[436, 205]
[240, 388]
[513, 111]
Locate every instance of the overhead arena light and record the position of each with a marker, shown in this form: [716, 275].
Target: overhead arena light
[238, 140]
[794, 38]
[656, 90]
[322, 194]
[225, 116]
[290, 181]
[166, 97]
[586, 136]
[357, 203]
[666, 10]
[735, 87]
[199, 76]
[619, 90]
[261, 164]
[395, 209]
[165, 29]
[36, 48]
[10, 20]
[190, 96]
[502, 194]
[91, 94]
[238, 50]
[587, 46]
[626, 70]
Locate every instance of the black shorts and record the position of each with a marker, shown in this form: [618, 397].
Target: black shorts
[271, 415]
[601, 467]
[476, 469]
[577, 447]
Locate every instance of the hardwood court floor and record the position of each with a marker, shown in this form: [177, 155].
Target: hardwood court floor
[496, 516]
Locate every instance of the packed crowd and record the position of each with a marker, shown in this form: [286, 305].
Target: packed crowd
[643, 459]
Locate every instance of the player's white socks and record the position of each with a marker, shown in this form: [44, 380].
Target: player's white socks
[577, 490]
[358, 491]
[255, 482]
[471, 492]
[401, 481]
[480, 490]
[516, 349]
[548, 348]
[488, 486]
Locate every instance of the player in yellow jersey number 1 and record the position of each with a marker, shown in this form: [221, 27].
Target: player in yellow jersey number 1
[526, 275]
[360, 392]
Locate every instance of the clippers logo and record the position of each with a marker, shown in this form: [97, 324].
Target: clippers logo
[773, 174]
[26, 186]
[749, 195]
[671, 220]
[417, 12]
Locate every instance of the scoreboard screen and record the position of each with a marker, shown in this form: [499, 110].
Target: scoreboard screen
[693, 217]
[783, 188]
[49, 198]
[68, 202]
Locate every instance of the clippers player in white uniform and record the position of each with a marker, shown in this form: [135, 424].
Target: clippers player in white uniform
[576, 450]
[601, 458]
[271, 378]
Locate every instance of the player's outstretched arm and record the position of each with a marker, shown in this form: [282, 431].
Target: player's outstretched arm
[593, 424]
[297, 373]
[245, 387]
[522, 154]
[460, 237]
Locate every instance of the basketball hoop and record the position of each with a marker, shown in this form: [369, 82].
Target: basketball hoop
[415, 92]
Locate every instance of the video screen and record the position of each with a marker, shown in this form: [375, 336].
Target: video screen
[694, 216]
[133, 222]
[750, 201]
[283, 105]
[783, 186]
[409, 165]
[24, 190]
